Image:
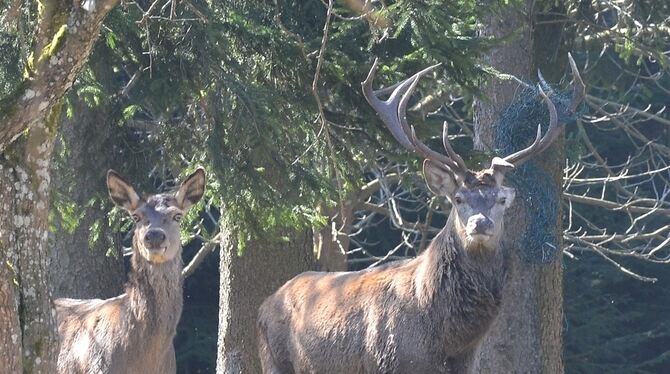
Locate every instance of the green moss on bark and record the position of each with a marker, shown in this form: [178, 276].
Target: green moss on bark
[55, 45]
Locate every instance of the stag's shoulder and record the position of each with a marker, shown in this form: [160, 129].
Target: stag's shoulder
[345, 283]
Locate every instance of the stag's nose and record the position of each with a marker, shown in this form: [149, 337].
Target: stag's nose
[479, 224]
[154, 238]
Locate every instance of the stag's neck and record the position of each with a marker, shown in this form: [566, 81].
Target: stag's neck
[451, 273]
[154, 292]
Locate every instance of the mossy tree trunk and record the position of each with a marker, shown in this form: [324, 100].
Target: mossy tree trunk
[27, 168]
[245, 283]
[64, 39]
[527, 335]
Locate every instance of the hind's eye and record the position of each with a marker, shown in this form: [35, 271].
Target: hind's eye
[177, 217]
[458, 200]
[136, 218]
[502, 201]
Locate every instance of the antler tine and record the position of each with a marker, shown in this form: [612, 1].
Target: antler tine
[450, 151]
[389, 89]
[393, 114]
[578, 86]
[540, 143]
[419, 146]
[436, 157]
[543, 83]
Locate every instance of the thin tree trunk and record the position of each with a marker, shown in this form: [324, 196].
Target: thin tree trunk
[527, 335]
[10, 338]
[332, 241]
[25, 241]
[80, 268]
[245, 282]
[64, 38]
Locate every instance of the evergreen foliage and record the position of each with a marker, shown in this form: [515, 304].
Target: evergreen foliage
[228, 85]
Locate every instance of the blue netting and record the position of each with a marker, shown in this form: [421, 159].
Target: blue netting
[515, 129]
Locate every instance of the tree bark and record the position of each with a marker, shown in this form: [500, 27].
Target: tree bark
[65, 37]
[245, 282]
[527, 335]
[11, 359]
[80, 269]
[26, 182]
[63, 42]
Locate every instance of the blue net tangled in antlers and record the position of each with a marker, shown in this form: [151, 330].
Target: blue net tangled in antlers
[515, 129]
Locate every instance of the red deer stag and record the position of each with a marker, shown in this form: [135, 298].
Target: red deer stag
[133, 332]
[424, 315]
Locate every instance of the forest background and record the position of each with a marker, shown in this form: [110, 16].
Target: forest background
[302, 175]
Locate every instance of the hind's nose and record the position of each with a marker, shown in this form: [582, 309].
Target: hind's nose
[479, 224]
[154, 238]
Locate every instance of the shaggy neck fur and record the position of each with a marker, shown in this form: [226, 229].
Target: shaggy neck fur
[155, 294]
[457, 275]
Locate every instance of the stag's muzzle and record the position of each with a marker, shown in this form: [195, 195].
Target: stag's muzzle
[479, 225]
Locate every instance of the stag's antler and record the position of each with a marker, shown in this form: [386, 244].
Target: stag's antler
[393, 113]
[578, 86]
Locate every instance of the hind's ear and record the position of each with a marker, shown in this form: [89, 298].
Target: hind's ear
[191, 189]
[121, 192]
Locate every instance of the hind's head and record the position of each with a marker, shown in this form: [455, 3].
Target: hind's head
[157, 217]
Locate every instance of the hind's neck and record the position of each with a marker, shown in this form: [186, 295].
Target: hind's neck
[154, 292]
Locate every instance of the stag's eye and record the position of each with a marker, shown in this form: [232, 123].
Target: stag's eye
[502, 201]
[458, 200]
[136, 218]
[177, 217]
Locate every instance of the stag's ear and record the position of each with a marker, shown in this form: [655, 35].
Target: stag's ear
[191, 189]
[440, 181]
[121, 192]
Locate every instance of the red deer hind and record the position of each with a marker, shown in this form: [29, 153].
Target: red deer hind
[133, 332]
[424, 315]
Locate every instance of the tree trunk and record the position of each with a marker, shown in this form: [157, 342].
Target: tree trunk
[64, 38]
[80, 268]
[245, 282]
[26, 180]
[11, 359]
[527, 335]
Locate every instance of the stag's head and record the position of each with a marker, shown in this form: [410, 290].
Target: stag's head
[157, 217]
[479, 198]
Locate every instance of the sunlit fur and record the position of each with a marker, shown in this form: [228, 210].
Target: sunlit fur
[424, 315]
[133, 332]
